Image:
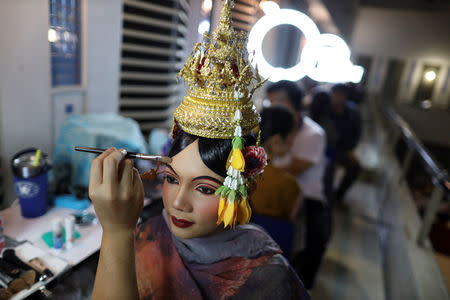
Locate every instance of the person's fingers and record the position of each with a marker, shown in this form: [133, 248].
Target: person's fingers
[96, 174]
[105, 153]
[138, 187]
[120, 169]
[136, 179]
[111, 165]
[126, 181]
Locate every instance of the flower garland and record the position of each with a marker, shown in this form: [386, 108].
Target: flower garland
[233, 203]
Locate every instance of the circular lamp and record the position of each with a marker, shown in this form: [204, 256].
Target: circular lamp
[328, 58]
[264, 25]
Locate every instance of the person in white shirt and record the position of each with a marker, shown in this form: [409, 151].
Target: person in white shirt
[306, 160]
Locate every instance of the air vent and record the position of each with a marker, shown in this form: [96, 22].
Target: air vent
[153, 52]
[244, 14]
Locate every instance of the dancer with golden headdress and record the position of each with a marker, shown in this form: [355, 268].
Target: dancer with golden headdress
[200, 247]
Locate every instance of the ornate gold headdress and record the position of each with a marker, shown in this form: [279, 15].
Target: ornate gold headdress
[218, 105]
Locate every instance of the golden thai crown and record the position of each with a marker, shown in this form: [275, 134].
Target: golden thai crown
[218, 105]
[220, 81]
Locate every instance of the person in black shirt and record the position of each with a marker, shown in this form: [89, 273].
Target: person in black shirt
[342, 122]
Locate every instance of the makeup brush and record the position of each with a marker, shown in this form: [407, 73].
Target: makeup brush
[158, 158]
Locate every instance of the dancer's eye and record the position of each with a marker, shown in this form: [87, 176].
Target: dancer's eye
[170, 179]
[206, 190]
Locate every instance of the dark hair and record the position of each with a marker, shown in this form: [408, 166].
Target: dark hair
[320, 106]
[276, 120]
[340, 88]
[294, 92]
[213, 152]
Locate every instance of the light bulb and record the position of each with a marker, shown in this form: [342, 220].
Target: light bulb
[269, 6]
[52, 35]
[430, 75]
[207, 6]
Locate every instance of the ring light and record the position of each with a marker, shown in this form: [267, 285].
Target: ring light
[264, 25]
[324, 58]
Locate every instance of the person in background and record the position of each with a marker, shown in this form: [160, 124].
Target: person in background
[277, 198]
[287, 94]
[346, 119]
[319, 111]
[278, 195]
[356, 93]
[306, 160]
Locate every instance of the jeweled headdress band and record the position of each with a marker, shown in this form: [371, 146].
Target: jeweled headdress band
[214, 118]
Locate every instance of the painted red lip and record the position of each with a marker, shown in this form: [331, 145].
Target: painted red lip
[181, 222]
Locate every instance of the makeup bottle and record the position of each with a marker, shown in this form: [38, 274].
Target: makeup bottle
[57, 232]
[69, 227]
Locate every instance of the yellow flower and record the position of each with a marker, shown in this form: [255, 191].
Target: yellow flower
[238, 161]
[244, 211]
[230, 214]
[220, 212]
[249, 211]
[234, 218]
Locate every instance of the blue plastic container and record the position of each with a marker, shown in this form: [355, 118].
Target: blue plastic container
[32, 194]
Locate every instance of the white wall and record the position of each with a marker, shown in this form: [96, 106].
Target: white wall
[24, 79]
[26, 113]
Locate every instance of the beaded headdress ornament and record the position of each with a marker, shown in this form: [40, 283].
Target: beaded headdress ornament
[218, 105]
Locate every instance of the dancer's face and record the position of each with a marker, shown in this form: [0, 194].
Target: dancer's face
[188, 195]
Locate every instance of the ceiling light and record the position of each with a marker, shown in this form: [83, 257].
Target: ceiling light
[203, 26]
[207, 6]
[430, 75]
[53, 36]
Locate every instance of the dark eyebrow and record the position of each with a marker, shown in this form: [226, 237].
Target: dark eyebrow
[208, 177]
[199, 177]
[172, 169]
